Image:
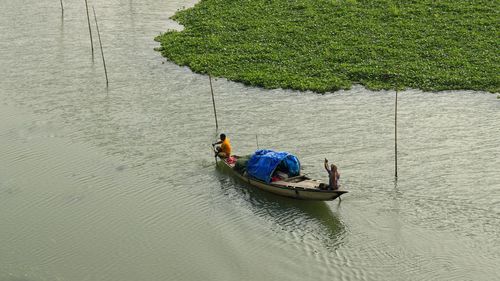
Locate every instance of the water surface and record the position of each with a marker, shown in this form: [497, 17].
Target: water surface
[119, 183]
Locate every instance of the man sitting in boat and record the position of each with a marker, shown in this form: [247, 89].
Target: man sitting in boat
[333, 175]
[224, 150]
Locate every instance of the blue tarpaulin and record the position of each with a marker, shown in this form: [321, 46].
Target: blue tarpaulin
[264, 162]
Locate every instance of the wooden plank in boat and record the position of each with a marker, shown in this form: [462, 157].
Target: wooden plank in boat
[306, 184]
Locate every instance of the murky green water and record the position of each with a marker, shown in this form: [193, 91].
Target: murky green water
[119, 184]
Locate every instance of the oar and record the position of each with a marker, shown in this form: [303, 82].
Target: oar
[215, 113]
[213, 148]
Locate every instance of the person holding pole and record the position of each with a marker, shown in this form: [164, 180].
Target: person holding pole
[224, 150]
[333, 175]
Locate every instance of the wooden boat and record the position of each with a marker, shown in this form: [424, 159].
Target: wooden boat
[298, 187]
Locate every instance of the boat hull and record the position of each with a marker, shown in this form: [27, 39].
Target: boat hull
[287, 191]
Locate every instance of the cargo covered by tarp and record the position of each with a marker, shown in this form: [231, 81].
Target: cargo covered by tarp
[264, 162]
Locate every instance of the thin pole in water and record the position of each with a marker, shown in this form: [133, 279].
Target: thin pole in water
[90, 30]
[213, 101]
[100, 44]
[396, 136]
[257, 140]
[62, 7]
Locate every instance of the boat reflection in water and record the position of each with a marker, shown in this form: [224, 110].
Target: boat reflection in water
[301, 219]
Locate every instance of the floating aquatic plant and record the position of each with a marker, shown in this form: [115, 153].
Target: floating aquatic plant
[326, 45]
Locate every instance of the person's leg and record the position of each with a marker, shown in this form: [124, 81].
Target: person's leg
[217, 151]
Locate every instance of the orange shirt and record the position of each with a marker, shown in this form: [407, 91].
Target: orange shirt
[226, 147]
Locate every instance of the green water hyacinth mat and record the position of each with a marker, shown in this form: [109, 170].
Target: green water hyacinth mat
[324, 46]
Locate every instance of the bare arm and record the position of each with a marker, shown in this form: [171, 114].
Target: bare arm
[326, 166]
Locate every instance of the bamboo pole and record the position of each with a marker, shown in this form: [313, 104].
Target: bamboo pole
[213, 101]
[100, 44]
[396, 136]
[90, 30]
[62, 7]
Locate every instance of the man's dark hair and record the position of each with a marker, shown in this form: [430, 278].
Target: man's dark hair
[222, 136]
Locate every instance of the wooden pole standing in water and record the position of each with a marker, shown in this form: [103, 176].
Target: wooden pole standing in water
[62, 7]
[213, 101]
[396, 136]
[100, 44]
[90, 30]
